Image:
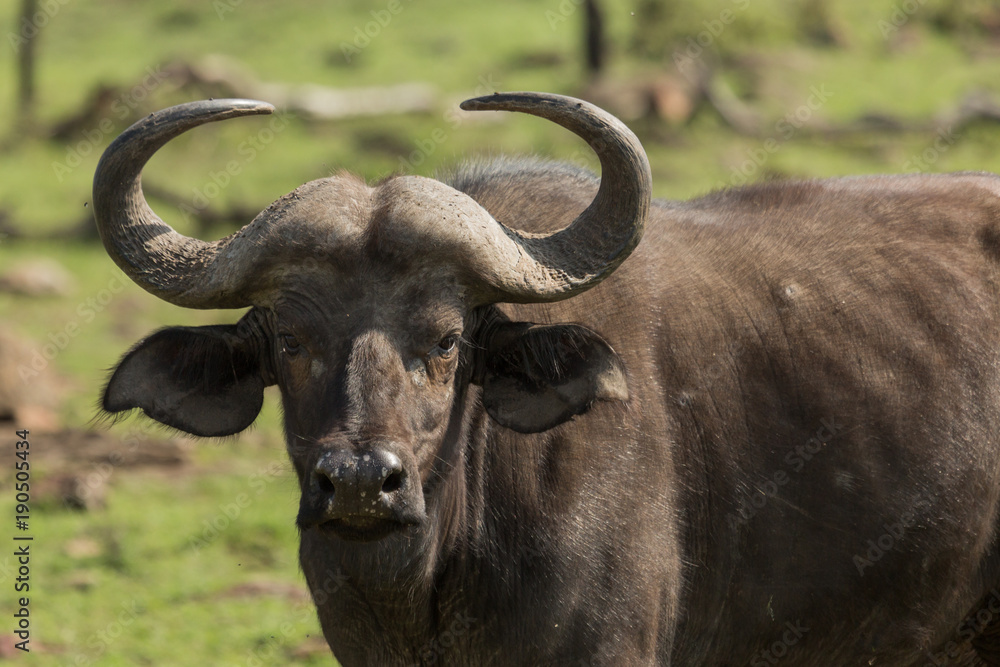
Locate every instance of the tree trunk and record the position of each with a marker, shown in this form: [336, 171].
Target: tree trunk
[25, 43]
[594, 43]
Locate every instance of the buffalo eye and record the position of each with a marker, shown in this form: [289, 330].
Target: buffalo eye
[290, 344]
[440, 361]
[447, 345]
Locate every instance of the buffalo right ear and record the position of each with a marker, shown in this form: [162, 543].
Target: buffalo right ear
[204, 381]
[536, 377]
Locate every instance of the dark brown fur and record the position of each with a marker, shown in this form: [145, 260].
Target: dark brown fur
[806, 470]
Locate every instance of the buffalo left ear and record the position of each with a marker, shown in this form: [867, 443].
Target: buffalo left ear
[536, 377]
[204, 381]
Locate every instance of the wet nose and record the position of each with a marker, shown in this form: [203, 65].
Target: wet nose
[353, 478]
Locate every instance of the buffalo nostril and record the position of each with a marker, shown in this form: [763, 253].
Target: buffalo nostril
[392, 482]
[324, 483]
[388, 471]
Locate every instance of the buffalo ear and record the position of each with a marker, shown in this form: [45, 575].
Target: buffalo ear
[205, 381]
[536, 377]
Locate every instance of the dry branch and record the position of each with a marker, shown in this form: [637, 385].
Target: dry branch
[225, 77]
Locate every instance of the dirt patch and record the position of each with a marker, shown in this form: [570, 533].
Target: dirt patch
[77, 464]
[255, 589]
[21, 400]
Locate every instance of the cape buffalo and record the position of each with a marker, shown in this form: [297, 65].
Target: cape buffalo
[771, 435]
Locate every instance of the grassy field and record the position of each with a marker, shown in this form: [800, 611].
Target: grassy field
[198, 566]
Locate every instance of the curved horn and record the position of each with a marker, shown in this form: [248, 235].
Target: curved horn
[179, 269]
[562, 264]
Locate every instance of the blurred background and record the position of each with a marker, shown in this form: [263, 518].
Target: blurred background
[154, 549]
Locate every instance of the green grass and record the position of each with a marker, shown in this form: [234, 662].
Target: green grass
[163, 574]
[134, 559]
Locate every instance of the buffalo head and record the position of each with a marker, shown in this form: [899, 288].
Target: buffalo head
[372, 309]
